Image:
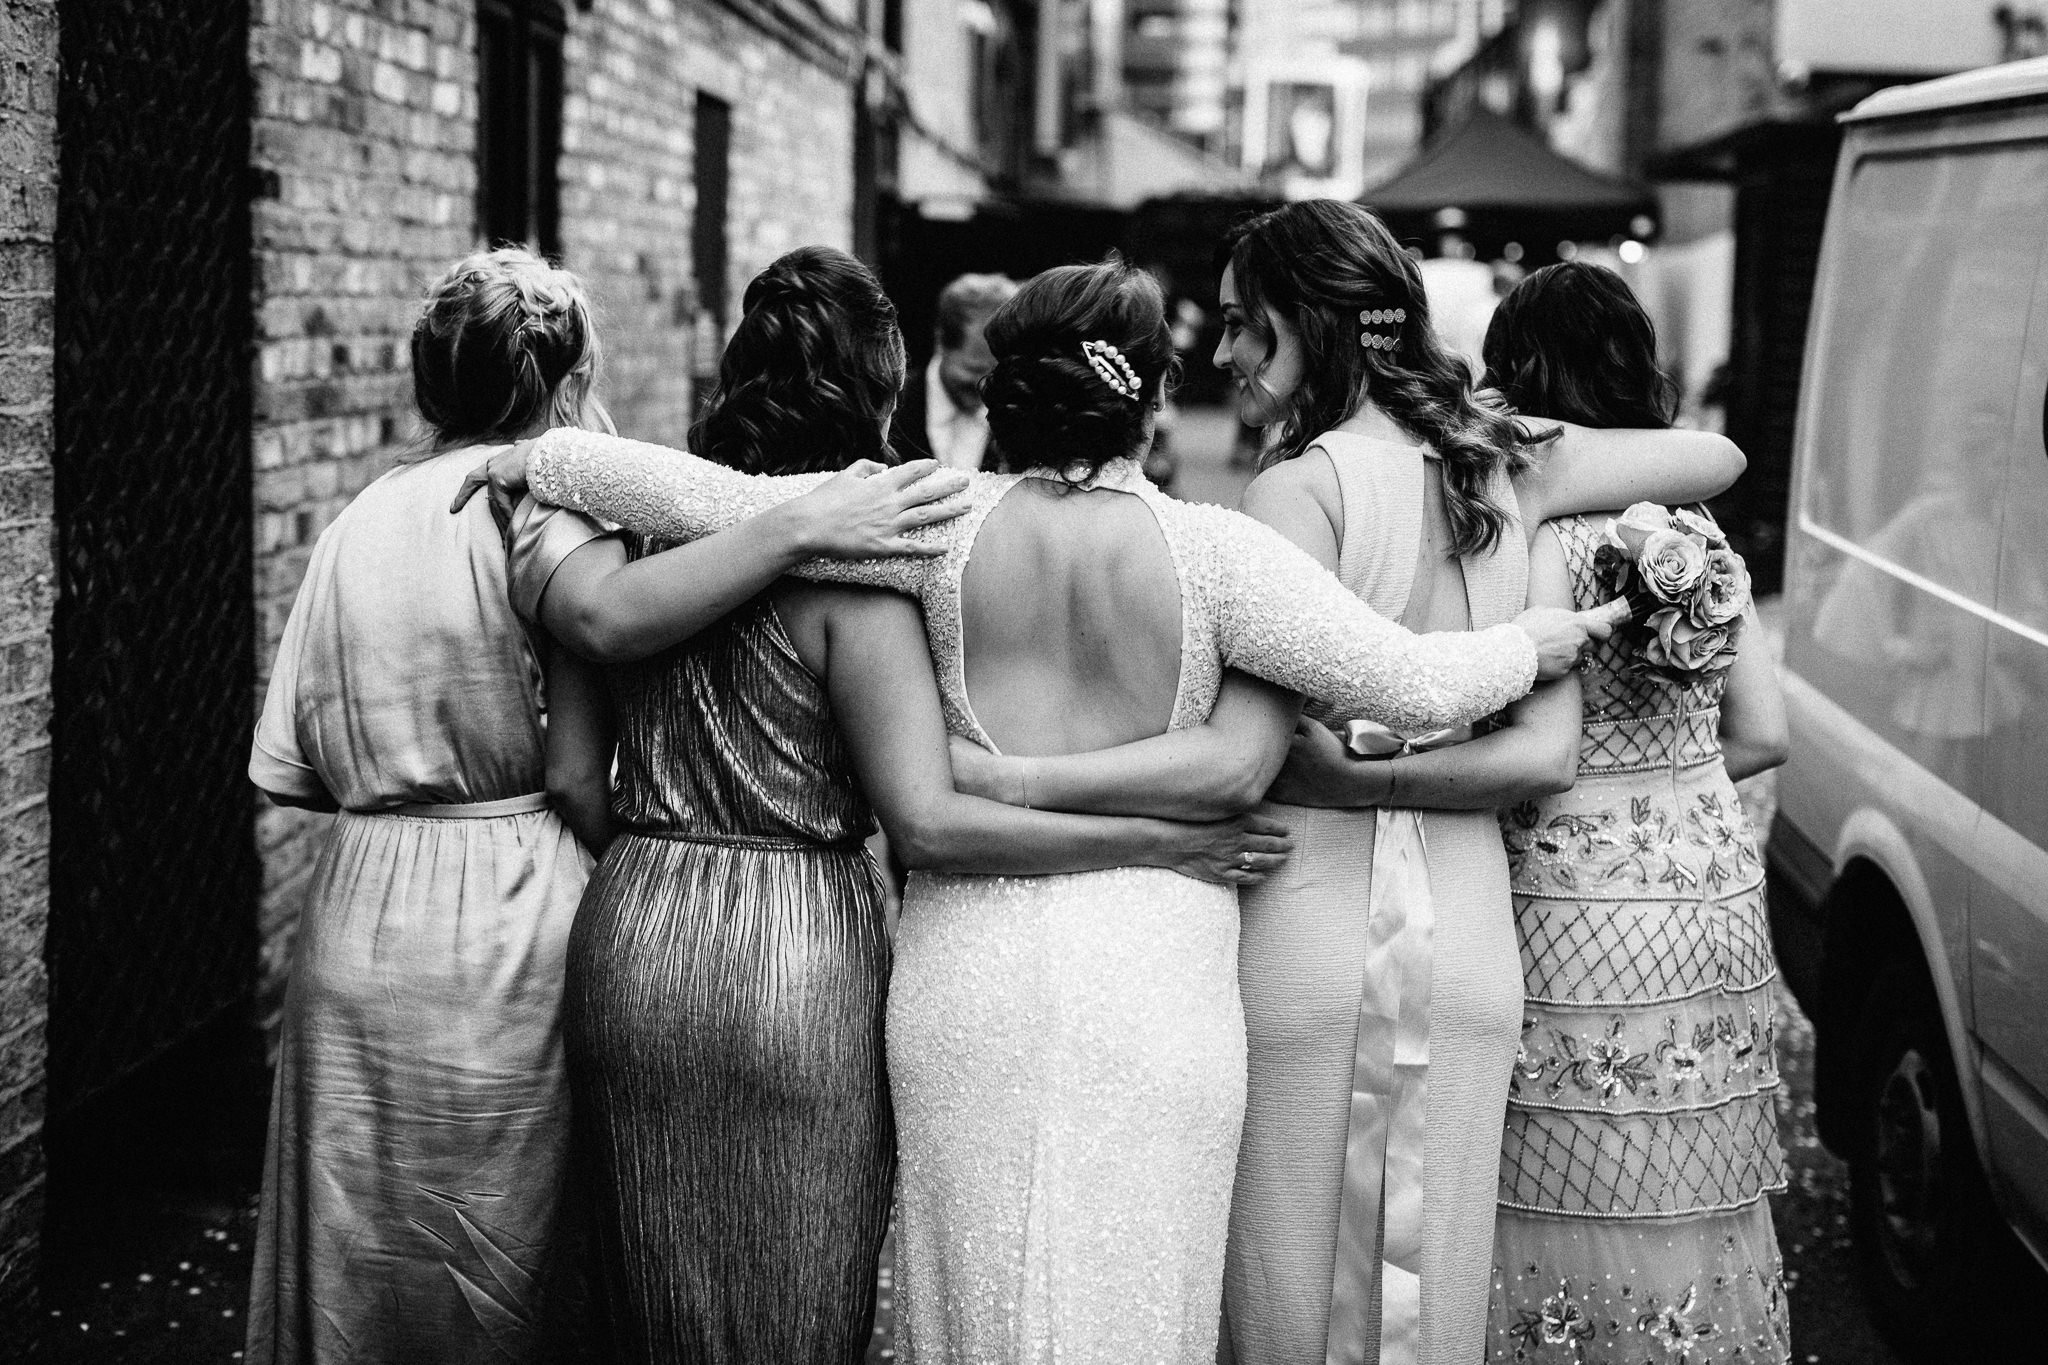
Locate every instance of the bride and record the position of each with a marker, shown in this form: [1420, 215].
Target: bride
[1066, 1053]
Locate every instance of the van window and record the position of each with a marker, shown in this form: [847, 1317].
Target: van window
[1932, 287]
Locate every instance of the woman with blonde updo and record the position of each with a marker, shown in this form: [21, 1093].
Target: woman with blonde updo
[419, 1125]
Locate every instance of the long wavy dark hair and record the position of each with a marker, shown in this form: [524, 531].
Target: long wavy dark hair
[812, 368]
[1048, 407]
[1319, 264]
[1572, 342]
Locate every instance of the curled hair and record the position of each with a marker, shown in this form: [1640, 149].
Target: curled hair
[1571, 342]
[1319, 264]
[505, 345]
[1048, 407]
[811, 373]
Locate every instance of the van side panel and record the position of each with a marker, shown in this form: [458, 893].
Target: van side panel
[2009, 900]
[1892, 556]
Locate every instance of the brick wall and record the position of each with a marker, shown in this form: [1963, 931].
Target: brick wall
[28, 213]
[635, 68]
[365, 150]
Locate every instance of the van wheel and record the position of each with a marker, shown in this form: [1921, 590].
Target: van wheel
[1919, 1207]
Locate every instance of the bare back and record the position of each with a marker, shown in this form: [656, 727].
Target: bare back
[1071, 621]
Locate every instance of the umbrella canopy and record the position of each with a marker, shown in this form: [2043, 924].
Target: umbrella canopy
[1511, 181]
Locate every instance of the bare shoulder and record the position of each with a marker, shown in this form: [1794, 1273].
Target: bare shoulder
[817, 614]
[1309, 477]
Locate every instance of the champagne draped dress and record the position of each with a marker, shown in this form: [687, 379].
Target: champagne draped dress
[1642, 1133]
[1305, 970]
[1066, 1053]
[420, 1123]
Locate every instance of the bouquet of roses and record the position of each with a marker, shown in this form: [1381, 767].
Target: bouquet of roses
[1687, 590]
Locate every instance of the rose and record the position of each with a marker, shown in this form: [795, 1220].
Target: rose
[1671, 562]
[1723, 592]
[1694, 524]
[1611, 568]
[1635, 526]
[1680, 645]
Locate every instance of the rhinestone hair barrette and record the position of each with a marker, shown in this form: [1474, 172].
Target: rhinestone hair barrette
[1109, 362]
[1388, 318]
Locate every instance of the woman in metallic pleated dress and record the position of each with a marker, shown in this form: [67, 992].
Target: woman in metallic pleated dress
[728, 971]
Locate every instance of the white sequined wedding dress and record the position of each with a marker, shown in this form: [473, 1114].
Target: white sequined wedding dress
[1066, 1053]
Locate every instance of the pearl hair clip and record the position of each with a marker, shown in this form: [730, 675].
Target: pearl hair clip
[1109, 362]
[1381, 317]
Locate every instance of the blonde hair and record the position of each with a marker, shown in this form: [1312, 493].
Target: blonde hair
[505, 343]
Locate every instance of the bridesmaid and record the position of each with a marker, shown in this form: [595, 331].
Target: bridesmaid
[728, 972]
[1388, 469]
[1641, 1133]
[419, 1123]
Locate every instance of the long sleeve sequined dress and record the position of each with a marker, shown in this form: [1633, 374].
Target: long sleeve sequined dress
[419, 1130]
[1641, 1134]
[1066, 1053]
[1314, 995]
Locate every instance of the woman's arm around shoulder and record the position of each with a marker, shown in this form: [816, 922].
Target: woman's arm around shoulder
[1589, 469]
[870, 649]
[1754, 736]
[1279, 614]
[580, 739]
[860, 512]
[1535, 753]
[1210, 771]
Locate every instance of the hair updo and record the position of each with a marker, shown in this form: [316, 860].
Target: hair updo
[1048, 406]
[504, 346]
[811, 372]
[1572, 342]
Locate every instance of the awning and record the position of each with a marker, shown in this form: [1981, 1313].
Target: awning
[1494, 169]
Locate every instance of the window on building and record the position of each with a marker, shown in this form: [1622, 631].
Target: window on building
[711, 168]
[519, 122]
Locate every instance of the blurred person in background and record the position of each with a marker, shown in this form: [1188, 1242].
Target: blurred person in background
[941, 416]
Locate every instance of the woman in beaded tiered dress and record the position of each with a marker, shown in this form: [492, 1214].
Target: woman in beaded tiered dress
[1642, 1136]
[1066, 1053]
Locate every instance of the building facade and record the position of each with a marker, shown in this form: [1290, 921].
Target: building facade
[28, 214]
[251, 201]
[1729, 107]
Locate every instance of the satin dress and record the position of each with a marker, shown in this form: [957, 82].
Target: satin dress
[1066, 1052]
[419, 1130]
[1642, 1133]
[726, 983]
[1306, 968]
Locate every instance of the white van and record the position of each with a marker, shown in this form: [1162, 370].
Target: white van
[1910, 852]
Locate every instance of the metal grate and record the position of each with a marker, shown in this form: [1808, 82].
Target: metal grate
[153, 867]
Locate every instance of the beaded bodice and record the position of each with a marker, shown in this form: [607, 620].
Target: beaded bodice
[1634, 722]
[1250, 599]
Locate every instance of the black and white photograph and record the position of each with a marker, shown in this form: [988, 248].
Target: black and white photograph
[1023, 682]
